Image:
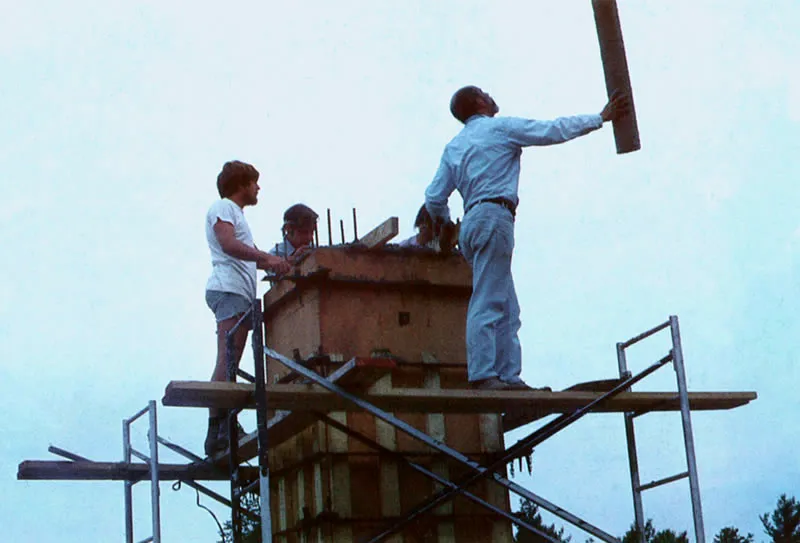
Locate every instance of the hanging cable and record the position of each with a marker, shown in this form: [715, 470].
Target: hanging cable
[177, 486]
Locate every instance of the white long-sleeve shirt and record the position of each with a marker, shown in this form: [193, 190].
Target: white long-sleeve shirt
[482, 160]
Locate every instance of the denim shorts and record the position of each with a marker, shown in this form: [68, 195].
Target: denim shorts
[227, 304]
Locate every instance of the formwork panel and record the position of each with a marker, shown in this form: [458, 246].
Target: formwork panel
[345, 303]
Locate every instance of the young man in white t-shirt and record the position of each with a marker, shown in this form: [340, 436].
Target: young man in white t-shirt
[231, 289]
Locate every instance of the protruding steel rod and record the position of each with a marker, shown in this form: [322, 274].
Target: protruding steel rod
[330, 233]
[355, 226]
[341, 227]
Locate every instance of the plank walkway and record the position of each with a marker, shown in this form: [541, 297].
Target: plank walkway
[293, 397]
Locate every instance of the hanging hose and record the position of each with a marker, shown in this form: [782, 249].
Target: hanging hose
[176, 486]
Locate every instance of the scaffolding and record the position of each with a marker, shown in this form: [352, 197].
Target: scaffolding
[340, 390]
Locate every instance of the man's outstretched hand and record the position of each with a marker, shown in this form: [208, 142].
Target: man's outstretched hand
[618, 106]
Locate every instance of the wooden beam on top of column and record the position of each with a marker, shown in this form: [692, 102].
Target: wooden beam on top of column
[615, 69]
[413, 400]
[381, 234]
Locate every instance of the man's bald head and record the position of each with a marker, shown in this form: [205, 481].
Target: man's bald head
[471, 100]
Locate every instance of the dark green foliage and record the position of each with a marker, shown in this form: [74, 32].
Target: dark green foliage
[529, 512]
[652, 536]
[783, 525]
[634, 536]
[729, 534]
[669, 536]
[251, 529]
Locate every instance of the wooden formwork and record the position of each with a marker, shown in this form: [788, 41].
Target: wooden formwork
[410, 305]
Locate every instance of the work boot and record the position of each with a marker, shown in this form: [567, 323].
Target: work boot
[217, 437]
[223, 432]
[492, 383]
[521, 385]
[213, 445]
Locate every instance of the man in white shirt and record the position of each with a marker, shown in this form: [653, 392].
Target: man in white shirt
[482, 162]
[231, 288]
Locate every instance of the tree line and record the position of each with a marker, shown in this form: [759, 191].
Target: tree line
[782, 525]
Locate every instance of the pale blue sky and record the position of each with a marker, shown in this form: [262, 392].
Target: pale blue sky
[118, 117]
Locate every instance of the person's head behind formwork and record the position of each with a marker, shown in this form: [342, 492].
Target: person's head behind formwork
[423, 218]
[471, 100]
[299, 223]
[235, 174]
[424, 224]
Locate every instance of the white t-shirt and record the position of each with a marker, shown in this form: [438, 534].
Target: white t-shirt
[229, 274]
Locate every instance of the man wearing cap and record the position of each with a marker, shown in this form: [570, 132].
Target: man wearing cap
[482, 163]
[299, 224]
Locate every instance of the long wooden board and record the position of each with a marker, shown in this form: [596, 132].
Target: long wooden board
[62, 470]
[356, 374]
[411, 400]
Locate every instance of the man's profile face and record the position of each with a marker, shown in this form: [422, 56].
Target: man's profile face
[425, 233]
[487, 99]
[300, 236]
[250, 193]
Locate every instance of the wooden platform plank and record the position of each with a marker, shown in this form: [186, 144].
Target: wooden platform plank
[356, 374]
[63, 470]
[415, 400]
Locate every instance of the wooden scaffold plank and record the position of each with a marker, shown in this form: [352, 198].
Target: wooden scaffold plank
[63, 470]
[411, 400]
[356, 374]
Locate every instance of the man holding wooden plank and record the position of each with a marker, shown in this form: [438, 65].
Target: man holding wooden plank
[482, 162]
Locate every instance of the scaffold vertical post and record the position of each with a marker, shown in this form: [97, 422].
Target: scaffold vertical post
[261, 375]
[233, 442]
[688, 436]
[126, 457]
[633, 460]
[155, 499]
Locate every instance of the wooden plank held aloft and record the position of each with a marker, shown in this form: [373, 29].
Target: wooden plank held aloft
[615, 69]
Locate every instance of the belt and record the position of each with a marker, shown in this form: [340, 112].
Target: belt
[505, 202]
